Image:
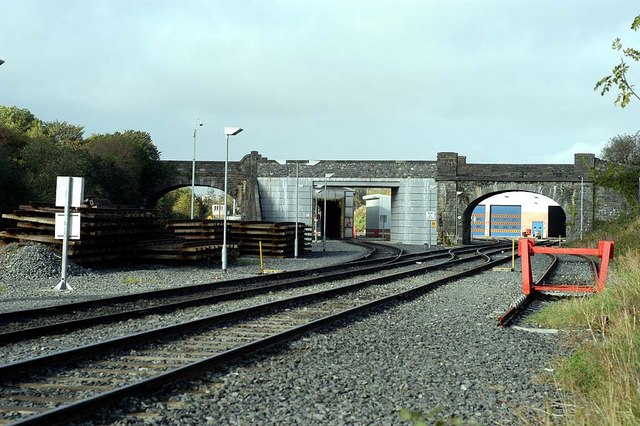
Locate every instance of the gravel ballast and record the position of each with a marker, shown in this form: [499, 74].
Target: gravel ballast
[441, 354]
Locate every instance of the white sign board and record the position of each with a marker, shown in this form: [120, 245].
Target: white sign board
[74, 226]
[431, 215]
[77, 191]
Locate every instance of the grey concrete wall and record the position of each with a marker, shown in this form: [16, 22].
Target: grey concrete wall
[278, 199]
[411, 200]
[413, 204]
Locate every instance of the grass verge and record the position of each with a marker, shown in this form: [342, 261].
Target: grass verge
[602, 377]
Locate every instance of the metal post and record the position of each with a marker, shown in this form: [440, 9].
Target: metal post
[314, 212]
[224, 208]
[228, 131]
[62, 285]
[456, 221]
[295, 245]
[581, 206]
[193, 166]
[324, 217]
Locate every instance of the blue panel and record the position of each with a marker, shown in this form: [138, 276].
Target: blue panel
[537, 228]
[506, 221]
[478, 221]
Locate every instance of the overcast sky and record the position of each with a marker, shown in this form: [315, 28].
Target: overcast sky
[500, 81]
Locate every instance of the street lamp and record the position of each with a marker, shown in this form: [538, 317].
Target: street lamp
[295, 242]
[297, 205]
[457, 194]
[193, 165]
[324, 214]
[228, 131]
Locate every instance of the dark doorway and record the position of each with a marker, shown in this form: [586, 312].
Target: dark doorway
[557, 222]
[334, 217]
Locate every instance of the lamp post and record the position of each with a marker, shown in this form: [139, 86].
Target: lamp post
[297, 203]
[228, 131]
[295, 242]
[457, 194]
[581, 205]
[324, 213]
[193, 165]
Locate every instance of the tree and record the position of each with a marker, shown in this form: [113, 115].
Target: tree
[618, 75]
[623, 149]
[45, 159]
[12, 186]
[182, 206]
[20, 119]
[13, 141]
[63, 132]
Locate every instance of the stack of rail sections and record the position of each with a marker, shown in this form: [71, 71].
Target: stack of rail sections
[277, 239]
[106, 233]
[126, 234]
[191, 240]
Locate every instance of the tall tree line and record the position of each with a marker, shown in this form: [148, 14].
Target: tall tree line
[117, 166]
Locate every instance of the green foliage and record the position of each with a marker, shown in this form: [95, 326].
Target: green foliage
[130, 280]
[132, 156]
[623, 179]
[623, 149]
[44, 160]
[602, 376]
[117, 166]
[360, 219]
[20, 119]
[176, 204]
[63, 132]
[12, 185]
[433, 417]
[618, 76]
[583, 371]
[12, 140]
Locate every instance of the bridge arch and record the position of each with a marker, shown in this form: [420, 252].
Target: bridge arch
[426, 195]
[242, 182]
[554, 217]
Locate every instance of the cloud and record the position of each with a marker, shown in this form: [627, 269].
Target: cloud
[497, 81]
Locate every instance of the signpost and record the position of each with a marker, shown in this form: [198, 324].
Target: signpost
[69, 193]
[431, 216]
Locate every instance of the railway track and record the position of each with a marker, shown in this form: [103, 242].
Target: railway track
[566, 270]
[71, 384]
[28, 324]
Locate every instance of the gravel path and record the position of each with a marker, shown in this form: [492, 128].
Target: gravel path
[29, 273]
[441, 354]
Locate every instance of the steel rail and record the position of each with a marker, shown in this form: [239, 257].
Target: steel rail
[84, 408]
[177, 292]
[67, 325]
[521, 302]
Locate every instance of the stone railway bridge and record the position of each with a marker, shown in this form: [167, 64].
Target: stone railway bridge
[424, 194]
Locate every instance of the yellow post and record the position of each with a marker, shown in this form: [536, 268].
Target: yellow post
[513, 254]
[513, 258]
[261, 262]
